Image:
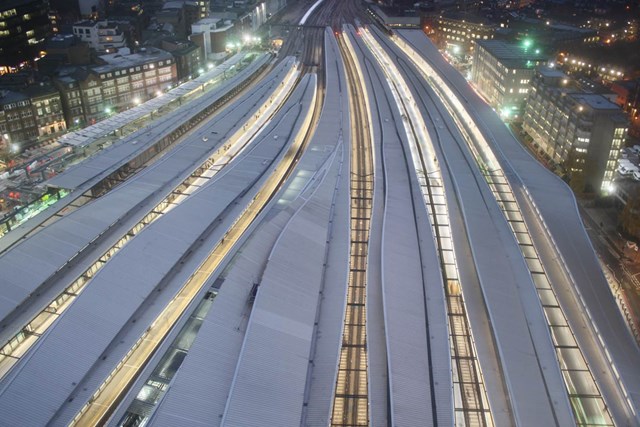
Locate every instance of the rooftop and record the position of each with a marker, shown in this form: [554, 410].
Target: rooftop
[86, 24]
[60, 41]
[117, 60]
[9, 96]
[551, 72]
[467, 17]
[595, 101]
[504, 50]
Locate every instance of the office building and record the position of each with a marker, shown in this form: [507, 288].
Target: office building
[30, 116]
[203, 8]
[628, 98]
[103, 36]
[458, 31]
[501, 72]
[211, 35]
[24, 25]
[90, 94]
[581, 131]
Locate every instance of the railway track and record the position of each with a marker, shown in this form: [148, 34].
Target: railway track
[350, 407]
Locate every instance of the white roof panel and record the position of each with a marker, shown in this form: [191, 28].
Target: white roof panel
[113, 157]
[322, 381]
[75, 342]
[201, 386]
[87, 222]
[271, 374]
[556, 203]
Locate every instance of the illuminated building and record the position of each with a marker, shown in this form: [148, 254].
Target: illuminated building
[583, 131]
[24, 26]
[502, 71]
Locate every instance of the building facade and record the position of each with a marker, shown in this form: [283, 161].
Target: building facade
[186, 54]
[211, 35]
[30, 117]
[24, 26]
[628, 98]
[70, 96]
[203, 8]
[46, 104]
[102, 36]
[90, 94]
[502, 71]
[581, 131]
[459, 29]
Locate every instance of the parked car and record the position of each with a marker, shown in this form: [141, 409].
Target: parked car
[626, 170]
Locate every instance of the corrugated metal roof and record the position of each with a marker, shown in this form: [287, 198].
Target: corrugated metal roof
[403, 291]
[27, 265]
[557, 206]
[199, 391]
[91, 133]
[202, 387]
[335, 122]
[403, 287]
[110, 159]
[376, 346]
[270, 379]
[528, 359]
[83, 332]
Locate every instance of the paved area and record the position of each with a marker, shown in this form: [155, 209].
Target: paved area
[621, 262]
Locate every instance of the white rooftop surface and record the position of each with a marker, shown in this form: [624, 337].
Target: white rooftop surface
[281, 327]
[408, 353]
[72, 346]
[270, 379]
[405, 319]
[528, 359]
[82, 176]
[27, 265]
[334, 126]
[108, 160]
[117, 60]
[376, 345]
[89, 134]
[557, 205]
[199, 392]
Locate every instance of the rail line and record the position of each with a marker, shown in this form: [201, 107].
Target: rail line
[18, 345]
[350, 406]
[103, 402]
[584, 395]
[472, 408]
